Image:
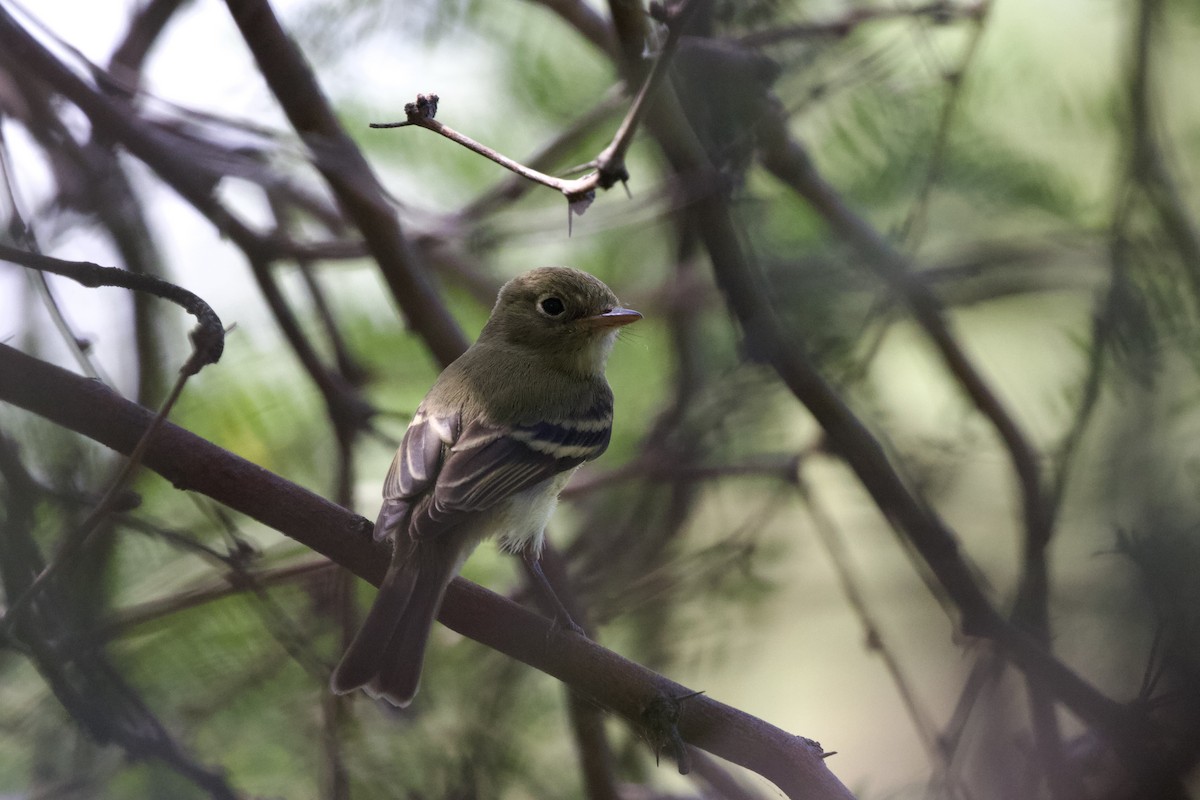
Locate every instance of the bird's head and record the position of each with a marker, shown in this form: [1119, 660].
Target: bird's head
[563, 314]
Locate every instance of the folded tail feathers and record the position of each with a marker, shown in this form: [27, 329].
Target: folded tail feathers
[386, 655]
[364, 658]
[399, 675]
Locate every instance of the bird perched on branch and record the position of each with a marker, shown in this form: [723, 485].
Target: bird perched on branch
[487, 453]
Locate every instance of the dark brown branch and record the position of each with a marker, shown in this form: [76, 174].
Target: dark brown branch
[787, 160]
[209, 335]
[599, 675]
[145, 28]
[349, 176]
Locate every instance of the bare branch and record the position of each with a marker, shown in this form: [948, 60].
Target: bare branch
[546, 156]
[609, 164]
[209, 335]
[421, 115]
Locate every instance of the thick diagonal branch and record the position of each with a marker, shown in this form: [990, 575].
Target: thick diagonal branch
[601, 676]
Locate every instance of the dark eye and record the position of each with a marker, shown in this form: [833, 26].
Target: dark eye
[552, 306]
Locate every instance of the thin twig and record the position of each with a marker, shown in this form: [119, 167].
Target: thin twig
[586, 719]
[609, 164]
[546, 156]
[208, 338]
[596, 760]
[21, 230]
[421, 115]
[89, 689]
[347, 364]
[848, 581]
[348, 410]
[208, 342]
[986, 670]
[914, 225]
[125, 620]
[939, 11]
[77, 538]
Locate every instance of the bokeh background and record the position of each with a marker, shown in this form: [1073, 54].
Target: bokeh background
[1034, 165]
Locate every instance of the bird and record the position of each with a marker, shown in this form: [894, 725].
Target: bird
[487, 452]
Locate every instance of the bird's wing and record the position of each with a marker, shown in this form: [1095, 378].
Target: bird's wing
[415, 467]
[438, 487]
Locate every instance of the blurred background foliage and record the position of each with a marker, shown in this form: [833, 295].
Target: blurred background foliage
[1045, 193]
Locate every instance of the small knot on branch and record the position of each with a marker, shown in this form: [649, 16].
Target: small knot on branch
[660, 721]
[578, 202]
[610, 174]
[208, 343]
[423, 110]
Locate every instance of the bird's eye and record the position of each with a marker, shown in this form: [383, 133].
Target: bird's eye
[552, 306]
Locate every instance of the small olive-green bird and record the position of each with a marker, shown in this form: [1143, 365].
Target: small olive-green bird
[487, 453]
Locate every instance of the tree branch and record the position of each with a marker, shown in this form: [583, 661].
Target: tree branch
[349, 176]
[792, 763]
[609, 164]
[850, 438]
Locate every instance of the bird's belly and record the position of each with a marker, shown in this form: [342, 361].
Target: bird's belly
[519, 523]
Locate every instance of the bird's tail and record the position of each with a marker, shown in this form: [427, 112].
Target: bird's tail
[386, 654]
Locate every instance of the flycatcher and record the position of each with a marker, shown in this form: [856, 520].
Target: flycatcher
[487, 453]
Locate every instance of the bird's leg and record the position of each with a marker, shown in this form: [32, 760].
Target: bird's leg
[561, 615]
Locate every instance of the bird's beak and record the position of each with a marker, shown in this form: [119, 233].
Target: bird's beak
[613, 318]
